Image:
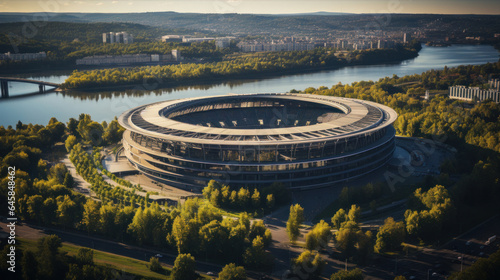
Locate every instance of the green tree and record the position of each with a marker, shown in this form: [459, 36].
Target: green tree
[256, 199]
[72, 128]
[319, 236]
[68, 180]
[295, 219]
[308, 265]
[270, 201]
[35, 206]
[354, 213]
[232, 272]
[91, 215]
[347, 238]
[154, 265]
[355, 274]
[390, 236]
[49, 211]
[256, 257]
[70, 142]
[85, 256]
[180, 232]
[339, 218]
[184, 268]
[29, 265]
[113, 132]
[68, 211]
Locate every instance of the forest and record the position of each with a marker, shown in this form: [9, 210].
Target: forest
[236, 66]
[440, 207]
[46, 196]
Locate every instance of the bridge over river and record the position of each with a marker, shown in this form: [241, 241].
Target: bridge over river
[4, 84]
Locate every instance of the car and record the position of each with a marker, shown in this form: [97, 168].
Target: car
[159, 256]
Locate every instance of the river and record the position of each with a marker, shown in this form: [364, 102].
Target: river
[106, 105]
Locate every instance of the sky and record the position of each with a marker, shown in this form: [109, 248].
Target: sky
[256, 6]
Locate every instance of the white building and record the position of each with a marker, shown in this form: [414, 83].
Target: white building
[23, 56]
[474, 94]
[196, 40]
[118, 37]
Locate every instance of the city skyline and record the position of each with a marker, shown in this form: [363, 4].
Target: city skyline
[256, 6]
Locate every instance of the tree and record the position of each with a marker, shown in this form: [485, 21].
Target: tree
[154, 265]
[72, 127]
[390, 236]
[213, 236]
[355, 274]
[347, 238]
[113, 132]
[270, 201]
[244, 198]
[256, 257]
[184, 268]
[434, 209]
[68, 211]
[339, 218]
[365, 246]
[319, 236]
[307, 265]
[70, 143]
[295, 219]
[68, 180]
[91, 215]
[180, 233]
[49, 211]
[35, 206]
[232, 272]
[49, 260]
[29, 265]
[259, 229]
[354, 213]
[256, 199]
[108, 217]
[85, 256]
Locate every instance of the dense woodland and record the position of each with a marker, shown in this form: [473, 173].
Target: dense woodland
[242, 66]
[467, 190]
[45, 196]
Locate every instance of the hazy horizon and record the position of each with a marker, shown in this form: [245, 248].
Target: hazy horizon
[457, 7]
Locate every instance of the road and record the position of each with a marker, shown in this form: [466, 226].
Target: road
[140, 253]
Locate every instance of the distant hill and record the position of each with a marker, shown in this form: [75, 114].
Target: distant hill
[319, 23]
[321, 13]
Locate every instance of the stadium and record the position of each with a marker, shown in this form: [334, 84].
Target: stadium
[303, 141]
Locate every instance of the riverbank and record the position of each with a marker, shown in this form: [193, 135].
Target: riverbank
[262, 66]
[106, 104]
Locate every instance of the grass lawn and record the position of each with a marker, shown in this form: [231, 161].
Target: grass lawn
[120, 263]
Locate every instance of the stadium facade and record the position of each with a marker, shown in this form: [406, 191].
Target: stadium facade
[303, 141]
